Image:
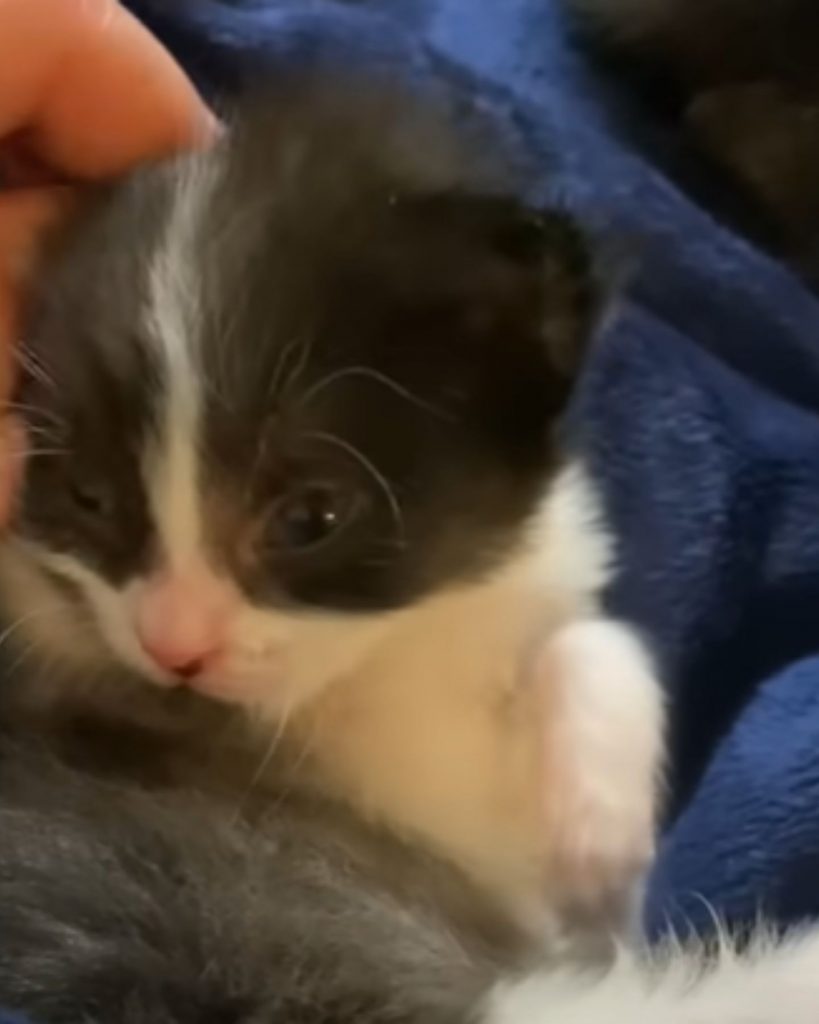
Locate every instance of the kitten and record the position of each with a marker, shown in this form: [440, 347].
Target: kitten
[292, 411]
[126, 906]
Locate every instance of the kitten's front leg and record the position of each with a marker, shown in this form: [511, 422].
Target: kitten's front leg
[603, 749]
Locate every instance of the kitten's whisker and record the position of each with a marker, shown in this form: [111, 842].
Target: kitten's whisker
[274, 386]
[295, 374]
[278, 385]
[376, 475]
[293, 768]
[266, 758]
[6, 408]
[36, 453]
[13, 627]
[47, 432]
[32, 365]
[309, 737]
[377, 377]
[25, 655]
[264, 763]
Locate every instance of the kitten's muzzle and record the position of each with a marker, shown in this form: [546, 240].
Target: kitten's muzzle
[182, 621]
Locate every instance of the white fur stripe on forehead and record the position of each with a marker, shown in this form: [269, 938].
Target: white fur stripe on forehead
[174, 317]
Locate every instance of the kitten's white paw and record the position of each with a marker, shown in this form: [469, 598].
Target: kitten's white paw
[600, 850]
[603, 753]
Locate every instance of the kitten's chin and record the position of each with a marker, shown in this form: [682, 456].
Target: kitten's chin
[267, 694]
[249, 690]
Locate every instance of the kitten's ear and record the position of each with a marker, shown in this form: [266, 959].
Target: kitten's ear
[556, 254]
[534, 270]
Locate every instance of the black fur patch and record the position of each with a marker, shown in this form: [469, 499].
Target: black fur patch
[380, 322]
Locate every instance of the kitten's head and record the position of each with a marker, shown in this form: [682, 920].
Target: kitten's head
[278, 394]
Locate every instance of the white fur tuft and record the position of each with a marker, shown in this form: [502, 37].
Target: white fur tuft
[604, 756]
[770, 984]
[173, 315]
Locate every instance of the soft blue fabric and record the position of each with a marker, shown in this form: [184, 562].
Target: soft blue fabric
[699, 413]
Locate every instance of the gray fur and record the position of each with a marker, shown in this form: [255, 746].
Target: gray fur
[123, 905]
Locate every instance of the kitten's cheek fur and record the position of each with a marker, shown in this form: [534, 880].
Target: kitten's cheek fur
[272, 662]
[277, 661]
[46, 619]
[85, 628]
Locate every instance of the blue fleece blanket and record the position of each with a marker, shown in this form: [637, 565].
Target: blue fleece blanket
[699, 410]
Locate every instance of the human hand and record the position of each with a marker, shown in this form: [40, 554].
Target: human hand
[85, 94]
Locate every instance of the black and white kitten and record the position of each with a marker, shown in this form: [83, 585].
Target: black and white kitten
[292, 411]
[123, 905]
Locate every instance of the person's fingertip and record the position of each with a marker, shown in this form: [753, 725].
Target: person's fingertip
[116, 98]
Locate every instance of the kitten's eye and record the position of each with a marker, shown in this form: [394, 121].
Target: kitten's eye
[311, 514]
[92, 498]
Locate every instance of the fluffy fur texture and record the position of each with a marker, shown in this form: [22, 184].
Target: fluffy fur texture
[770, 983]
[293, 409]
[123, 906]
[126, 905]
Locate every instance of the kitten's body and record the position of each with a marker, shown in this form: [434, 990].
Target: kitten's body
[340, 319]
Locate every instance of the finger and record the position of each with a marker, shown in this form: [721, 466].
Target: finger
[94, 90]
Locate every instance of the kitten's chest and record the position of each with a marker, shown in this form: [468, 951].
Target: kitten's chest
[439, 736]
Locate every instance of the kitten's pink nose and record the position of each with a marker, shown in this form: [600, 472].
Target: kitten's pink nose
[182, 622]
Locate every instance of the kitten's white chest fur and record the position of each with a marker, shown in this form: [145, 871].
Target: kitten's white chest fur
[508, 724]
[437, 734]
